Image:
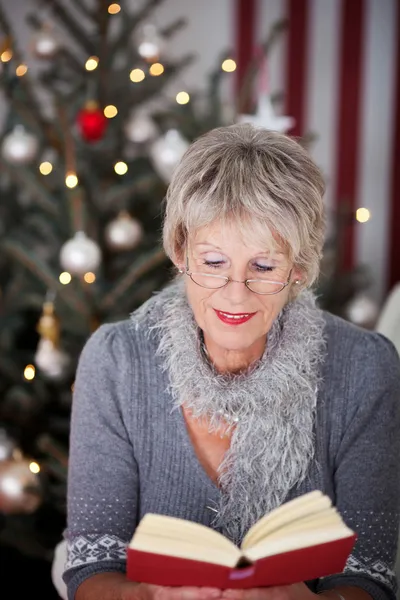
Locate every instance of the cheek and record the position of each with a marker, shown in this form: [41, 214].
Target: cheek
[198, 299]
[271, 306]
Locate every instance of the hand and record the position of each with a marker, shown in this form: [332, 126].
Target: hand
[297, 591]
[145, 591]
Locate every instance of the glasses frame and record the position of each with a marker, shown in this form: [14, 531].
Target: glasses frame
[228, 279]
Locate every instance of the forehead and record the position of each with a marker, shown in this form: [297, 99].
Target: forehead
[236, 237]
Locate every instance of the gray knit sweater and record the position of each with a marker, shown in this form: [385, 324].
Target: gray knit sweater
[131, 454]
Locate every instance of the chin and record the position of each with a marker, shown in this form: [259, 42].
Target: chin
[233, 340]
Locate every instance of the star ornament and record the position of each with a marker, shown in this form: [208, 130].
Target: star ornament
[265, 117]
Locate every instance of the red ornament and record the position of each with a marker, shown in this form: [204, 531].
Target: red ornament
[91, 122]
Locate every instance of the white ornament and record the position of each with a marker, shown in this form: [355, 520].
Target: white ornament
[149, 43]
[19, 147]
[52, 361]
[140, 128]
[80, 255]
[167, 151]
[362, 311]
[123, 233]
[265, 117]
[45, 43]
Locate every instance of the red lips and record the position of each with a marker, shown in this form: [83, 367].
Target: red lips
[233, 318]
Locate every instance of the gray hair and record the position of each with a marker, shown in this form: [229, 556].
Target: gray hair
[264, 180]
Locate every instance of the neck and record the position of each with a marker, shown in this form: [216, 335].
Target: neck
[233, 361]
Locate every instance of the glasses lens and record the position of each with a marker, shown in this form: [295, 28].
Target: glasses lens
[212, 282]
[260, 286]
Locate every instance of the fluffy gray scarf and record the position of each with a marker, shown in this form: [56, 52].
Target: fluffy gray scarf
[272, 404]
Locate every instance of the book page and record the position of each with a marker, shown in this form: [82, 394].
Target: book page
[309, 504]
[297, 541]
[186, 549]
[160, 527]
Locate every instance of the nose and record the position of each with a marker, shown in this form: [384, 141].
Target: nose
[235, 292]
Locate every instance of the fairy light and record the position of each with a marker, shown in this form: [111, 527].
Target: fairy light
[65, 278]
[34, 467]
[29, 372]
[182, 97]
[45, 167]
[137, 75]
[114, 8]
[91, 63]
[21, 70]
[363, 215]
[228, 65]
[110, 111]
[6, 56]
[120, 167]
[156, 69]
[89, 277]
[71, 180]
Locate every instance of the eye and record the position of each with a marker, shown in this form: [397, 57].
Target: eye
[264, 268]
[213, 263]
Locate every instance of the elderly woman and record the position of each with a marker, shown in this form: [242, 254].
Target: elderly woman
[230, 392]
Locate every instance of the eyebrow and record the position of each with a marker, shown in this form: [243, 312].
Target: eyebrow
[218, 248]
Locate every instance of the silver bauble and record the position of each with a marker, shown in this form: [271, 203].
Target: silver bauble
[20, 489]
[167, 151]
[45, 43]
[19, 147]
[80, 255]
[50, 359]
[7, 445]
[150, 44]
[123, 233]
[140, 128]
[362, 311]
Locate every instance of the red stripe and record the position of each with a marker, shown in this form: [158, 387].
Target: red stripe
[394, 249]
[296, 70]
[347, 144]
[245, 40]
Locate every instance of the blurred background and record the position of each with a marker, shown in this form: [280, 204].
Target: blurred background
[98, 102]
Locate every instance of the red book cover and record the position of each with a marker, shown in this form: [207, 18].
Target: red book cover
[282, 569]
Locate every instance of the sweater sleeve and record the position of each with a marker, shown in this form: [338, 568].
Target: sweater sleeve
[367, 466]
[102, 474]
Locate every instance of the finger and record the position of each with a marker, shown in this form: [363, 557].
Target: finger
[187, 593]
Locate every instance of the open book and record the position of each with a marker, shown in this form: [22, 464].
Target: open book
[303, 539]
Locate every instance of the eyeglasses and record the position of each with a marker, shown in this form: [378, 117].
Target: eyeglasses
[265, 287]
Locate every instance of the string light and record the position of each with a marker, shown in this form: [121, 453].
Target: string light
[114, 8]
[156, 69]
[65, 278]
[21, 70]
[182, 97]
[110, 111]
[6, 55]
[137, 75]
[120, 167]
[29, 372]
[229, 65]
[34, 467]
[71, 180]
[89, 277]
[91, 63]
[45, 167]
[363, 215]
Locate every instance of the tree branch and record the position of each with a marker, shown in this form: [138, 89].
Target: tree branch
[80, 35]
[145, 265]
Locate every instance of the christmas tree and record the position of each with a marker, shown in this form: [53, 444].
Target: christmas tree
[88, 145]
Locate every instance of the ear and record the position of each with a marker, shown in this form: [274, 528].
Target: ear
[298, 276]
